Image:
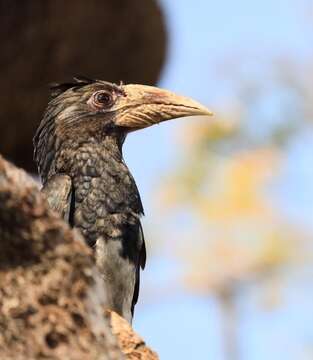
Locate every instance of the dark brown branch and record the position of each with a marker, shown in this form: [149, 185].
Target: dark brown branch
[53, 40]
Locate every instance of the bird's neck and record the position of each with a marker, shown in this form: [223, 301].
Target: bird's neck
[99, 172]
[89, 150]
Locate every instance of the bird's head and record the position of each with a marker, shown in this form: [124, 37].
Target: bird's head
[93, 109]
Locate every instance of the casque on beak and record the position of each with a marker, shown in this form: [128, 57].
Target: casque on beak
[143, 106]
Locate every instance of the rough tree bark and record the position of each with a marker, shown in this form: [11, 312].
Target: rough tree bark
[51, 298]
[132, 345]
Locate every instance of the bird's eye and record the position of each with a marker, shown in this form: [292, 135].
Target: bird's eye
[103, 99]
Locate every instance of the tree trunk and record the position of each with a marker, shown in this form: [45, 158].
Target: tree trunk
[229, 323]
[51, 297]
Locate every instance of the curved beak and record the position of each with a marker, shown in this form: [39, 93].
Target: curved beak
[143, 106]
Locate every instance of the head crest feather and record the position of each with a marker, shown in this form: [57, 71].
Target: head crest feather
[78, 81]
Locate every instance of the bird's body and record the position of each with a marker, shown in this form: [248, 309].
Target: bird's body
[106, 207]
[78, 148]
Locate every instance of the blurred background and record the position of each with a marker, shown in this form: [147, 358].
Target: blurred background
[228, 200]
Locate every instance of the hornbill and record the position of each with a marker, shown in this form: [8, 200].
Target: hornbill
[78, 150]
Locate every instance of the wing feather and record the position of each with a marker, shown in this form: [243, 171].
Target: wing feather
[141, 264]
[58, 190]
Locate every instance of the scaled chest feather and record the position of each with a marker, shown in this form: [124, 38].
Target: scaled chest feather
[102, 187]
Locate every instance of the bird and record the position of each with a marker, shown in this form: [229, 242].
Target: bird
[78, 150]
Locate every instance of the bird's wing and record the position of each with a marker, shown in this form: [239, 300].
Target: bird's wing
[58, 190]
[143, 254]
[142, 263]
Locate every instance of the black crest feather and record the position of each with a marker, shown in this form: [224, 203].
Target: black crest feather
[78, 81]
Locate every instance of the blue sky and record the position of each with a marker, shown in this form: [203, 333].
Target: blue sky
[204, 36]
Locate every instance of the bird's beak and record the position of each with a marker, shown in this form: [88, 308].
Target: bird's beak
[143, 106]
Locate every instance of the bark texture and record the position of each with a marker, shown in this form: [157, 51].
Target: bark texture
[51, 297]
[53, 40]
[132, 345]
